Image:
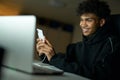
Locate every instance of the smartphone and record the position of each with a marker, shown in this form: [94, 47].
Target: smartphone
[40, 34]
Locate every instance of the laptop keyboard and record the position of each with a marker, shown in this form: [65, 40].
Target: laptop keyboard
[44, 68]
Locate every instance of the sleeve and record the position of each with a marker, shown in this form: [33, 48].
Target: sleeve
[116, 64]
[43, 59]
[103, 69]
[109, 67]
[66, 61]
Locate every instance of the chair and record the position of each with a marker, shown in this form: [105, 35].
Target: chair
[115, 24]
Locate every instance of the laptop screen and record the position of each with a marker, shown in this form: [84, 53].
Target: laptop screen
[17, 37]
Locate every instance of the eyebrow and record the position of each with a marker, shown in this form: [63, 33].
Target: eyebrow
[87, 18]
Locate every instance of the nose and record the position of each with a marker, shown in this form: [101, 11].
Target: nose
[83, 23]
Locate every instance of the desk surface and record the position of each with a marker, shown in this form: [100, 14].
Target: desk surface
[8, 74]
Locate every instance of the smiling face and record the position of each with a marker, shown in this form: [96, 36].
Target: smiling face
[89, 23]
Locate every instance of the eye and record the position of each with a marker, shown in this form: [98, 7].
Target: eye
[90, 20]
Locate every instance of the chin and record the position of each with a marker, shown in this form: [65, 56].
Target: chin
[86, 35]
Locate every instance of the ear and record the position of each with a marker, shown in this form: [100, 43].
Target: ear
[102, 22]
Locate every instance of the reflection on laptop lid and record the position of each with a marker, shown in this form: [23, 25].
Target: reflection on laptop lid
[17, 36]
[1, 59]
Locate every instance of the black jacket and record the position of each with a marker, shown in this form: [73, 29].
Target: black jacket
[95, 57]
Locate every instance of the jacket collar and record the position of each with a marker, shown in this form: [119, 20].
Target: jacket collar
[99, 35]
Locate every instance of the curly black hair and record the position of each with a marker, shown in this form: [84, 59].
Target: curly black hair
[99, 8]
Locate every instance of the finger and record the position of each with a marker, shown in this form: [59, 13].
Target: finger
[40, 50]
[42, 45]
[38, 39]
[47, 51]
[46, 46]
[39, 45]
[40, 42]
[48, 42]
[40, 53]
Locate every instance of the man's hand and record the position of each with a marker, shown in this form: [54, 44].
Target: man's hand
[45, 48]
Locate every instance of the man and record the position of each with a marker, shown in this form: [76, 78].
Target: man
[96, 56]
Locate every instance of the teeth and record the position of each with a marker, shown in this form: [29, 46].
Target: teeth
[85, 30]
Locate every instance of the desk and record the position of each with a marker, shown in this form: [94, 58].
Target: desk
[8, 74]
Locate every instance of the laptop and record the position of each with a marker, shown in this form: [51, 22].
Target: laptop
[18, 38]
